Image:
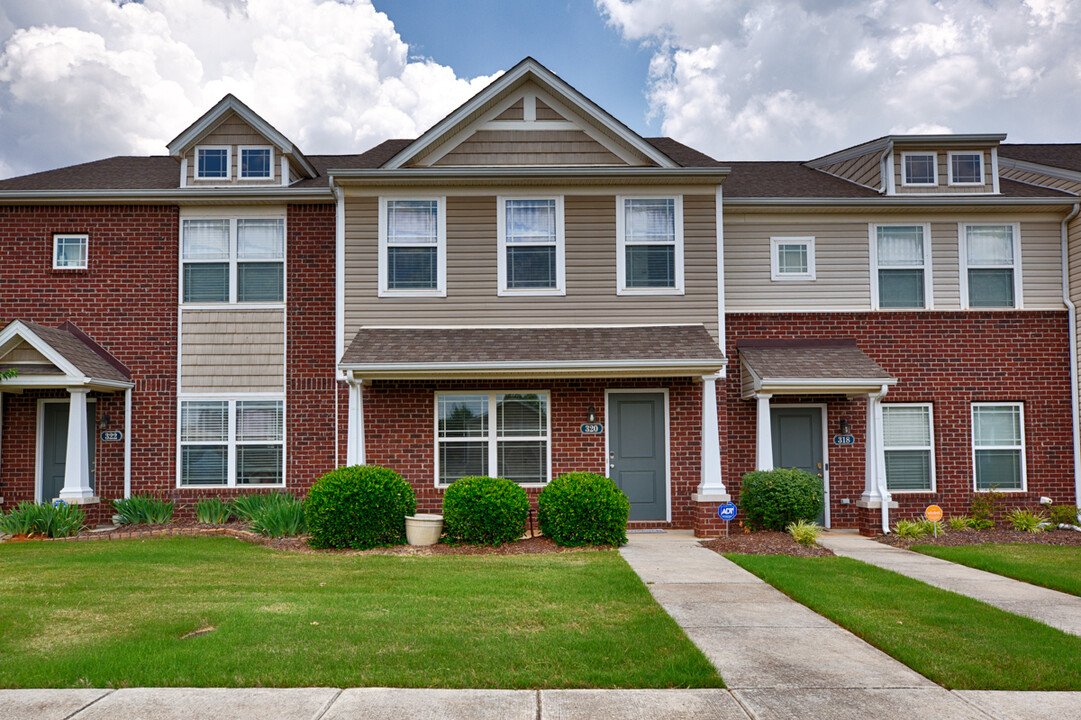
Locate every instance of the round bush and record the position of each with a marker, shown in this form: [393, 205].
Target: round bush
[362, 506]
[484, 511]
[583, 508]
[771, 500]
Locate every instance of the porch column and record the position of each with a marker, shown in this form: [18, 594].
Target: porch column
[874, 464]
[1, 442]
[354, 449]
[764, 455]
[77, 460]
[712, 483]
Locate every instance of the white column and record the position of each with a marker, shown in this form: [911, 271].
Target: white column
[1, 434]
[874, 462]
[77, 467]
[127, 443]
[764, 456]
[712, 483]
[354, 451]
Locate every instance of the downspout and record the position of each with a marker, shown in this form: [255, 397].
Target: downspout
[1071, 313]
[127, 443]
[884, 166]
[339, 307]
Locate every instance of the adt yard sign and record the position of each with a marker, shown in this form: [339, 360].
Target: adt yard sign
[933, 513]
[726, 512]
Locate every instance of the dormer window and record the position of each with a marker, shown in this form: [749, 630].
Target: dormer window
[919, 169]
[256, 163]
[212, 163]
[966, 168]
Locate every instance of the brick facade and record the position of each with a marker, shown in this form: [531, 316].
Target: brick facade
[949, 359]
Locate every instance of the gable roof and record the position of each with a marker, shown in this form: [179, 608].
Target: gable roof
[527, 69]
[73, 352]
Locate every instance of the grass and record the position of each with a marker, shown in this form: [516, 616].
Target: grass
[113, 614]
[955, 641]
[1050, 566]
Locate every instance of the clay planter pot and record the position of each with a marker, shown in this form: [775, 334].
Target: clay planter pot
[423, 529]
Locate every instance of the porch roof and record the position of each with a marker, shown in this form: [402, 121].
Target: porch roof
[574, 351]
[819, 366]
[64, 356]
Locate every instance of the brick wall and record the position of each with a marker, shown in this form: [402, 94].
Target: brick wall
[948, 359]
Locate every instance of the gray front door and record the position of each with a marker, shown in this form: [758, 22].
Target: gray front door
[54, 447]
[637, 452]
[797, 442]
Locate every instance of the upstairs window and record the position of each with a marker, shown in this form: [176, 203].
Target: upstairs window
[902, 256]
[256, 163]
[649, 234]
[792, 258]
[919, 169]
[531, 246]
[966, 168]
[233, 260]
[908, 448]
[70, 251]
[991, 255]
[412, 246]
[212, 163]
[998, 446]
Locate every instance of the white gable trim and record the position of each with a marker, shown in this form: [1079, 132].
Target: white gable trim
[528, 67]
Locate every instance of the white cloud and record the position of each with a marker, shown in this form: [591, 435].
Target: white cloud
[83, 79]
[794, 79]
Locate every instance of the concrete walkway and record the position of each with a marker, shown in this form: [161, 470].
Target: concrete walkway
[1057, 609]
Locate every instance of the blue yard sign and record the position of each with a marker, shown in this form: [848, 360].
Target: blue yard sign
[727, 512]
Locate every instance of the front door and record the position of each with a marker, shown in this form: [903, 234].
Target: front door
[637, 453]
[54, 447]
[797, 443]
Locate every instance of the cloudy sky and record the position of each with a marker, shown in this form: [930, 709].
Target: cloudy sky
[738, 79]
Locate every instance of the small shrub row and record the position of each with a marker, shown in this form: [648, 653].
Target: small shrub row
[278, 515]
[143, 509]
[361, 506]
[213, 511]
[916, 529]
[583, 508]
[28, 518]
[484, 511]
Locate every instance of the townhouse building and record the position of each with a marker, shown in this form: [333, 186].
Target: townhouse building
[531, 288]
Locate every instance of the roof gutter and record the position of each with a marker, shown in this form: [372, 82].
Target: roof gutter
[1072, 319]
[536, 368]
[902, 201]
[149, 197]
[382, 175]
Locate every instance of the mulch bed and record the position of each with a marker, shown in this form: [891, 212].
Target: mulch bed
[764, 543]
[993, 535]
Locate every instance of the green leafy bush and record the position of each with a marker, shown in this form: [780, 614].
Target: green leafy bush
[1026, 520]
[581, 508]
[484, 511]
[282, 515]
[140, 509]
[29, 518]
[246, 507]
[805, 532]
[983, 509]
[959, 522]
[361, 506]
[773, 499]
[1063, 515]
[911, 529]
[213, 511]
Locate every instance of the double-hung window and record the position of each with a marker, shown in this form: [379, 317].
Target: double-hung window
[919, 169]
[792, 258]
[256, 163]
[998, 446]
[239, 260]
[212, 163]
[497, 434]
[902, 258]
[531, 246]
[966, 168]
[231, 442]
[70, 251]
[991, 265]
[908, 447]
[649, 238]
[412, 246]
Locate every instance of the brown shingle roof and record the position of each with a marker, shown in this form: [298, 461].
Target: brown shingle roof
[681, 154]
[77, 348]
[1061, 155]
[788, 180]
[812, 359]
[115, 173]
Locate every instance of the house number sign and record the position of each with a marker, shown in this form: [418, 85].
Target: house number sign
[844, 439]
[592, 428]
[112, 435]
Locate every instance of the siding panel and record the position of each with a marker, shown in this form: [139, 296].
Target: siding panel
[234, 132]
[529, 147]
[233, 350]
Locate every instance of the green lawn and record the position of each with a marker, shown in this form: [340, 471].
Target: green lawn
[956, 641]
[112, 614]
[1051, 566]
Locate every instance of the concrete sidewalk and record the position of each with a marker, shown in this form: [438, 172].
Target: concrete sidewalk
[1057, 609]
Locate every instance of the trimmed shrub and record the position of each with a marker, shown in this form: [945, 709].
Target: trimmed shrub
[361, 506]
[773, 499]
[213, 511]
[143, 509]
[581, 508]
[282, 515]
[53, 521]
[484, 511]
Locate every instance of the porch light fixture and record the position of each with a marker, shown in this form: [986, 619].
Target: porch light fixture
[104, 421]
[591, 414]
[845, 429]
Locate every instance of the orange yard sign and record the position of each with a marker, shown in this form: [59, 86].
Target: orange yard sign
[933, 513]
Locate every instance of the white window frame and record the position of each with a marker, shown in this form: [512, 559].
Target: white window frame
[962, 253]
[560, 246]
[231, 441]
[233, 260]
[441, 247]
[85, 237]
[1024, 454]
[228, 162]
[949, 168]
[904, 169]
[775, 258]
[240, 162]
[621, 246]
[930, 447]
[928, 279]
[493, 431]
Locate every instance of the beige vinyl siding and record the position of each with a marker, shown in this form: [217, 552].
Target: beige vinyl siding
[472, 282]
[945, 264]
[234, 132]
[943, 172]
[232, 350]
[23, 352]
[546, 113]
[1041, 263]
[530, 147]
[514, 112]
[865, 170]
[746, 381]
[1073, 250]
[1031, 178]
